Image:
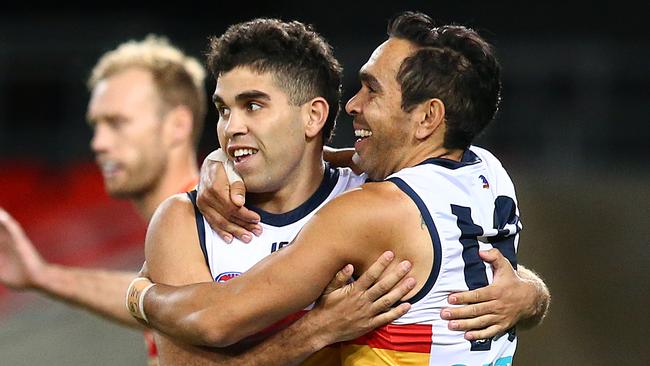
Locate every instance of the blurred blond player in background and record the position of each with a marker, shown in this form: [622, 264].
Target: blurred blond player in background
[146, 109]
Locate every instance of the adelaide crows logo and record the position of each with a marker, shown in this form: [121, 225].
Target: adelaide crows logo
[226, 276]
[484, 180]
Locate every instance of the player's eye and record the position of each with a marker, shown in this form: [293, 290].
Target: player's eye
[252, 106]
[223, 111]
[116, 122]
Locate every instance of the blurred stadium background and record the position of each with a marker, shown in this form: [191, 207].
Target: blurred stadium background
[573, 132]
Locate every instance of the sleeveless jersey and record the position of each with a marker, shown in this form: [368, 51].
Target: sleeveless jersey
[467, 206]
[227, 261]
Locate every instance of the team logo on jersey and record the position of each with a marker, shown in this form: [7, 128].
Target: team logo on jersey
[226, 276]
[486, 184]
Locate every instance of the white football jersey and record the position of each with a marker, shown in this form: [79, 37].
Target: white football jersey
[467, 206]
[227, 261]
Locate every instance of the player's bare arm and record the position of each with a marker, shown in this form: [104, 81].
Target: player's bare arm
[484, 316]
[176, 260]
[345, 311]
[21, 267]
[174, 257]
[541, 298]
[292, 278]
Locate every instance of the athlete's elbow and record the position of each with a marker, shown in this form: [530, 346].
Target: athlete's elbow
[212, 337]
[211, 333]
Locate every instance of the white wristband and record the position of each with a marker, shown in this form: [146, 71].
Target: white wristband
[135, 297]
[141, 302]
[220, 156]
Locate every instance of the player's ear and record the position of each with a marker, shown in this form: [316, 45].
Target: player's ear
[178, 125]
[430, 116]
[315, 114]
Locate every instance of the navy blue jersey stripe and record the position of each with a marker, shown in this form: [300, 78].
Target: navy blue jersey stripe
[198, 217]
[469, 158]
[433, 233]
[475, 276]
[330, 178]
[505, 212]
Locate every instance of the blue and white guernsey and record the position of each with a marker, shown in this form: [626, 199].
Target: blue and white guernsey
[227, 261]
[467, 206]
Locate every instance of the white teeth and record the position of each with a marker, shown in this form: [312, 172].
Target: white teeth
[108, 167]
[362, 133]
[241, 152]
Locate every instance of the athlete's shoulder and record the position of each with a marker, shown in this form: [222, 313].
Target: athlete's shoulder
[498, 177]
[369, 215]
[172, 232]
[372, 200]
[174, 218]
[486, 156]
[175, 207]
[373, 191]
[381, 190]
[172, 250]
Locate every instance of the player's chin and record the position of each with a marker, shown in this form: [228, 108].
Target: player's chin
[365, 164]
[262, 183]
[118, 190]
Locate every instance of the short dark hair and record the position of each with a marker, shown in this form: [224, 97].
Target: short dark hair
[453, 63]
[301, 60]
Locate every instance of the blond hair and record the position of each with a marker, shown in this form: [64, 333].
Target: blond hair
[179, 78]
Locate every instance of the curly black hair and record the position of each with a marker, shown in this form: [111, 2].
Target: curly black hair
[301, 60]
[454, 64]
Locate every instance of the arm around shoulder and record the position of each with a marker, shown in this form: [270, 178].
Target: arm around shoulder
[221, 314]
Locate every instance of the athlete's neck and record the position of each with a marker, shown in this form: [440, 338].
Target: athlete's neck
[181, 172]
[410, 156]
[301, 184]
[432, 147]
[449, 154]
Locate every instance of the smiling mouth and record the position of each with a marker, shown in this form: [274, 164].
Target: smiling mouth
[241, 154]
[362, 133]
[108, 168]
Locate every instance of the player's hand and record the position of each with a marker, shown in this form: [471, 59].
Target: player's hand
[20, 263]
[348, 310]
[492, 310]
[222, 204]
